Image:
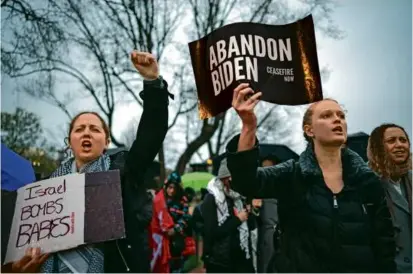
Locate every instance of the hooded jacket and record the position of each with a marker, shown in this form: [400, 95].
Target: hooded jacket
[346, 232]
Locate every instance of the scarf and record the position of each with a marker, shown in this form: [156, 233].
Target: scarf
[217, 189]
[179, 211]
[83, 259]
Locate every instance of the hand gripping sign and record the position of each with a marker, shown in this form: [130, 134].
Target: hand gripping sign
[65, 212]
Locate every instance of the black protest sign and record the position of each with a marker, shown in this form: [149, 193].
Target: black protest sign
[279, 61]
[65, 212]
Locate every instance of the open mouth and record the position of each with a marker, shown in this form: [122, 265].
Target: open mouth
[86, 145]
[338, 129]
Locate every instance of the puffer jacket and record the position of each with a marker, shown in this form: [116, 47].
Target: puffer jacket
[346, 232]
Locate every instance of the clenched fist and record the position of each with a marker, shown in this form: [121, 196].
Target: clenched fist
[146, 64]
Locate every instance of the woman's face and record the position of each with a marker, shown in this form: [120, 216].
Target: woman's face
[171, 190]
[396, 145]
[329, 126]
[87, 138]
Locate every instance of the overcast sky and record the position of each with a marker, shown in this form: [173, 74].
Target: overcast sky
[371, 70]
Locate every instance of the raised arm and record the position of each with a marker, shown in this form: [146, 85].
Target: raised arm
[243, 154]
[154, 120]
[253, 181]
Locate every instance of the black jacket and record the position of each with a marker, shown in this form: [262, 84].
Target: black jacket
[347, 232]
[132, 254]
[221, 243]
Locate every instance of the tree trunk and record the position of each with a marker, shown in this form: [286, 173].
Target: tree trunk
[161, 157]
[207, 132]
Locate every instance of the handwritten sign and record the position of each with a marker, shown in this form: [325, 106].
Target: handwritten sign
[49, 213]
[279, 61]
[65, 212]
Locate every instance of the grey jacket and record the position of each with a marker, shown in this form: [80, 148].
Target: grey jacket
[268, 222]
[402, 224]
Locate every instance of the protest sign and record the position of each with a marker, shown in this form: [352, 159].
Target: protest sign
[279, 61]
[65, 212]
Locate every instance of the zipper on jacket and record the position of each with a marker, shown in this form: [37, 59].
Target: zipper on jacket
[364, 209]
[334, 242]
[123, 258]
[335, 204]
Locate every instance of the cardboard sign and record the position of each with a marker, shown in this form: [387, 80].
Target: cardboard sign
[279, 61]
[65, 212]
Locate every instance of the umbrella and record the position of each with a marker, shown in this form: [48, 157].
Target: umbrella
[16, 171]
[196, 180]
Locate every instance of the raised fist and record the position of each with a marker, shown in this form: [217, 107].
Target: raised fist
[146, 64]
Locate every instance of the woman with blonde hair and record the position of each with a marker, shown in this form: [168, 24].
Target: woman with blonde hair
[332, 211]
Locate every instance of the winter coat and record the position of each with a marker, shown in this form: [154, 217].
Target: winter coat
[346, 232]
[402, 223]
[268, 220]
[132, 254]
[222, 243]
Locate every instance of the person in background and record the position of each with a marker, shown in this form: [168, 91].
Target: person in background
[267, 224]
[198, 223]
[229, 235]
[338, 219]
[190, 194]
[172, 240]
[389, 156]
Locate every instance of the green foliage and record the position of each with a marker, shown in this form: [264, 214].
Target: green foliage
[20, 130]
[41, 161]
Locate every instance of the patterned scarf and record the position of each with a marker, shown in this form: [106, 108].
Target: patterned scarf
[83, 259]
[179, 211]
[217, 189]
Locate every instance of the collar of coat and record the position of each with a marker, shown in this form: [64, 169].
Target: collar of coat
[354, 167]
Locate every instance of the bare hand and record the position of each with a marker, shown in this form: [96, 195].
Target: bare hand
[31, 262]
[146, 64]
[243, 215]
[244, 106]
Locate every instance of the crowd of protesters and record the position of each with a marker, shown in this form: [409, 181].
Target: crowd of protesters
[328, 211]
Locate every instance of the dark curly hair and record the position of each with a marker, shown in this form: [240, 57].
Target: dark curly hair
[379, 160]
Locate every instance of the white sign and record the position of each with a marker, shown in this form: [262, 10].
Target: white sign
[49, 214]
